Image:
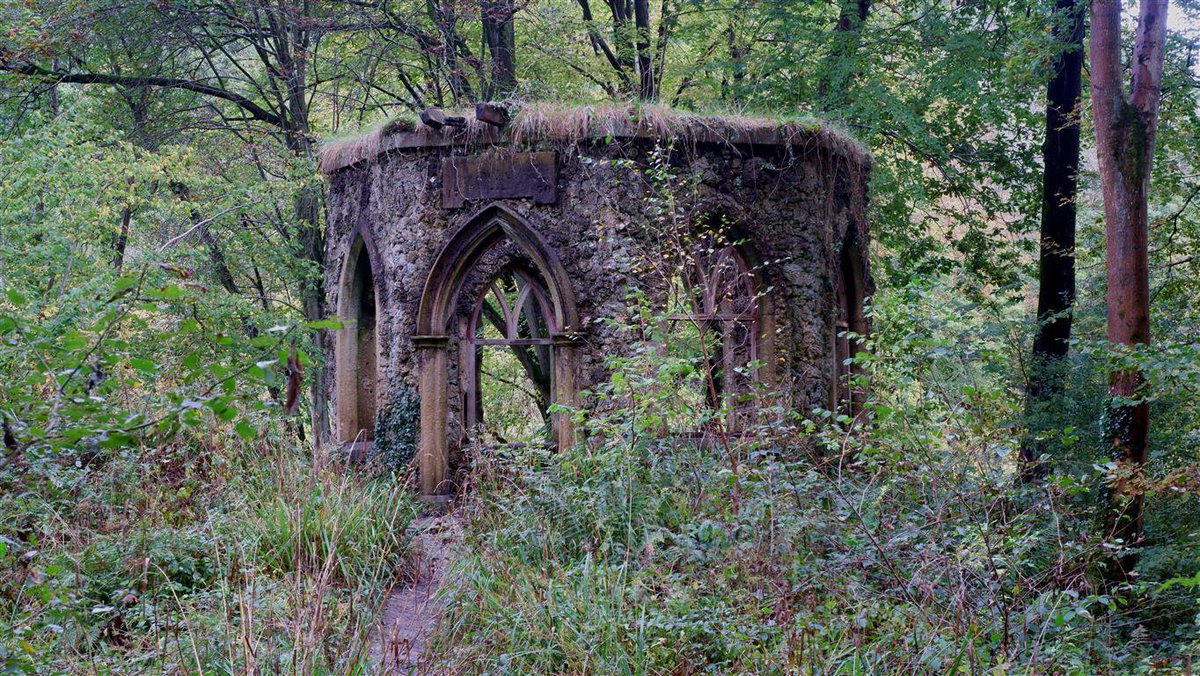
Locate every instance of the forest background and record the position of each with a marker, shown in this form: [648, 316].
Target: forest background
[161, 321]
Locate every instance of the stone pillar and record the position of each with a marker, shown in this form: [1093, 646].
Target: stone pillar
[565, 394]
[345, 360]
[433, 452]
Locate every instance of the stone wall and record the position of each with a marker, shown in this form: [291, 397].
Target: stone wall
[791, 204]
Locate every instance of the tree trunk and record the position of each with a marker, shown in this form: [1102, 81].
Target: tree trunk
[835, 78]
[647, 89]
[1056, 260]
[498, 34]
[122, 239]
[731, 90]
[293, 40]
[441, 13]
[312, 243]
[625, 51]
[1125, 134]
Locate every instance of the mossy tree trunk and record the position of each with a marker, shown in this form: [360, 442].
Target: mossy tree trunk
[1125, 134]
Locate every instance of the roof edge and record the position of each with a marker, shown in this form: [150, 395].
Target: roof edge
[550, 124]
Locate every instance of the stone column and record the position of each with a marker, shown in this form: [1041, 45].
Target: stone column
[433, 453]
[565, 394]
[345, 360]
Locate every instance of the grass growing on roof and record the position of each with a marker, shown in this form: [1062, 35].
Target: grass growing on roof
[351, 148]
[560, 123]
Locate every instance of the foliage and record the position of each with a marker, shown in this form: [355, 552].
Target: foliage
[154, 511]
[904, 545]
[396, 430]
[207, 555]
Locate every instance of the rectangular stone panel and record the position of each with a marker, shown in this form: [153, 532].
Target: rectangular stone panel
[500, 176]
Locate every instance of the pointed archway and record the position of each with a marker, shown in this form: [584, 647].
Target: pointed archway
[480, 233]
[357, 348]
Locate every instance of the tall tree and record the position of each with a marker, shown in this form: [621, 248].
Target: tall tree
[647, 85]
[218, 45]
[638, 53]
[847, 33]
[496, 17]
[1056, 258]
[1126, 126]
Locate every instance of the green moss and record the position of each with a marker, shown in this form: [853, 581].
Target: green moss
[396, 430]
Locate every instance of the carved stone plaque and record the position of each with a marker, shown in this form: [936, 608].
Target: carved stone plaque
[500, 176]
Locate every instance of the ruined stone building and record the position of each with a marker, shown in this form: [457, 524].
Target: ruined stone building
[535, 236]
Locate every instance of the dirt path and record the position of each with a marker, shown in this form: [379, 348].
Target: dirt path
[411, 612]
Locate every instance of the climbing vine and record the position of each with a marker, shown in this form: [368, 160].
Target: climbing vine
[396, 430]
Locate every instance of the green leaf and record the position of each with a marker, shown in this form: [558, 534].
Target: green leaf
[330, 324]
[170, 292]
[245, 431]
[15, 297]
[74, 341]
[143, 365]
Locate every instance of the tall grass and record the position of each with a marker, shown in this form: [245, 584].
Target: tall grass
[209, 555]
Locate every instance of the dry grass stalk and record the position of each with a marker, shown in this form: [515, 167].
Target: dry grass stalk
[347, 150]
[561, 124]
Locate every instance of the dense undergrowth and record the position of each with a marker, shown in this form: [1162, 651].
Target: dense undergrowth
[160, 511]
[207, 556]
[905, 546]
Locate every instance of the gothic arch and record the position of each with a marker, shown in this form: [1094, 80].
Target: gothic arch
[478, 234]
[361, 303]
[731, 220]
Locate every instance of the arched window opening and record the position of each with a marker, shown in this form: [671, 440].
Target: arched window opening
[357, 354]
[510, 345]
[715, 314]
[441, 330]
[367, 348]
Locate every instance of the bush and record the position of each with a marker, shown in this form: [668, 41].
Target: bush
[901, 544]
[274, 566]
[351, 526]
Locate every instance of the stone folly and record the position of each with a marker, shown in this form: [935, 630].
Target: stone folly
[444, 242]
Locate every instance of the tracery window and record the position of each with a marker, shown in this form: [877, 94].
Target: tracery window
[509, 355]
[715, 312]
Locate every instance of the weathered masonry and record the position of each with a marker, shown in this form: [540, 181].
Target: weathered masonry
[446, 243]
